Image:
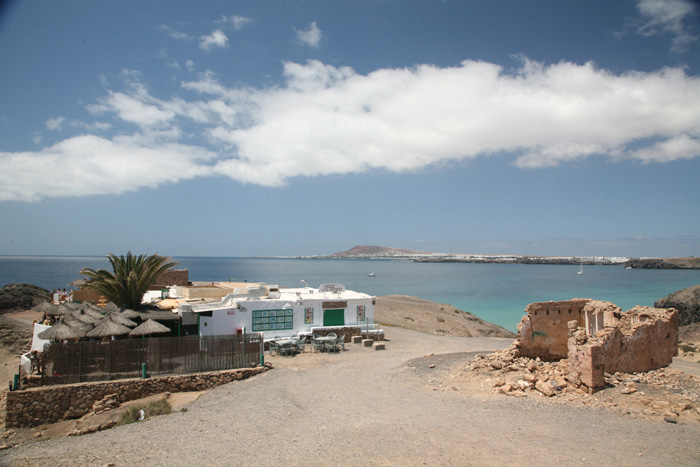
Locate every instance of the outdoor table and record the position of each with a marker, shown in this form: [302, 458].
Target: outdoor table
[286, 345]
[324, 340]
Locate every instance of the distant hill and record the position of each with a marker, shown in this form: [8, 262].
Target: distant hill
[361, 250]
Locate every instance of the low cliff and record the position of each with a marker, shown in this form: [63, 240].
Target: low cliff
[686, 301]
[664, 263]
[21, 296]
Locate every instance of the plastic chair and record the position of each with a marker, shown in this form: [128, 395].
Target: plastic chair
[332, 334]
[301, 344]
[274, 346]
[317, 345]
[338, 344]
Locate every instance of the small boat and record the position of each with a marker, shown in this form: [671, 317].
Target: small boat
[580, 271]
[371, 274]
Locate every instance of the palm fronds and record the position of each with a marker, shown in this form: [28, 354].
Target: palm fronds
[131, 277]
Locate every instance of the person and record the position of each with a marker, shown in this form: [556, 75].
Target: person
[70, 295]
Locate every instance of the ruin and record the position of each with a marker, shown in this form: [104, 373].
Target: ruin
[597, 337]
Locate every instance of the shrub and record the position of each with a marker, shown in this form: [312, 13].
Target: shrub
[153, 409]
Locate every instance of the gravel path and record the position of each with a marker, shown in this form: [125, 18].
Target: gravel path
[366, 407]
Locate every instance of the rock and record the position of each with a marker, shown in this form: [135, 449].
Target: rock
[21, 297]
[545, 388]
[496, 364]
[670, 419]
[686, 301]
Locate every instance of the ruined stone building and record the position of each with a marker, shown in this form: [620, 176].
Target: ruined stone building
[598, 337]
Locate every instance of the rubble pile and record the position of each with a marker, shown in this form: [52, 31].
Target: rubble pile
[666, 392]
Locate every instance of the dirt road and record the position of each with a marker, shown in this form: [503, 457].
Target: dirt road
[365, 407]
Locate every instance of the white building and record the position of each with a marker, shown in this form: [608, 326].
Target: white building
[282, 312]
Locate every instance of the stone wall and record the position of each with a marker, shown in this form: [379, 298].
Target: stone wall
[49, 404]
[635, 341]
[543, 330]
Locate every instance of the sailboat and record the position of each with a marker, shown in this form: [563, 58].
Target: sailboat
[580, 271]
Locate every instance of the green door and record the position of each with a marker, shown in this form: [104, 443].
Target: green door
[334, 317]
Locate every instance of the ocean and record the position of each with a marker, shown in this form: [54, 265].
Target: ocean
[497, 293]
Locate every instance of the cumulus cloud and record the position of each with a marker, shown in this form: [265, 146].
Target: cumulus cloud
[667, 16]
[54, 123]
[311, 36]
[238, 22]
[216, 39]
[325, 120]
[170, 32]
[90, 165]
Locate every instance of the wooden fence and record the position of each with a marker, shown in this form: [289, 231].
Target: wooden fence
[76, 362]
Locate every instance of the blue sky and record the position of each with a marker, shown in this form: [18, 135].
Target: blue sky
[227, 128]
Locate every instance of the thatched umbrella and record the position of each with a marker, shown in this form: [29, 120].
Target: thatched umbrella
[130, 314]
[109, 328]
[118, 318]
[77, 324]
[87, 318]
[61, 331]
[93, 310]
[111, 306]
[149, 327]
[59, 310]
[73, 305]
[43, 307]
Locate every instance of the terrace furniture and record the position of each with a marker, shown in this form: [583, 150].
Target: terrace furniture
[301, 344]
[274, 347]
[332, 334]
[316, 344]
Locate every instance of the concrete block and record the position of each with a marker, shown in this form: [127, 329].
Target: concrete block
[379, 346]
[367, 342]
[356, 339]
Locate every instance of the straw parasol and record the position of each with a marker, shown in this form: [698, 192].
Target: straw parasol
[77, 324]
[149, 327]
[59, 310]
[43, 307]
[119, 319]
[111, 306]
[61, 331]
[130, 314]
[109, 328]
[86, 317]
[93, 310]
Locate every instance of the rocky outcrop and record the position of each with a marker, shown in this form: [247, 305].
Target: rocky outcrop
[663, 263]
[21, 296]
[686, 301]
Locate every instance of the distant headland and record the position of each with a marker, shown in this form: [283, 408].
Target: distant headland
[400, 254]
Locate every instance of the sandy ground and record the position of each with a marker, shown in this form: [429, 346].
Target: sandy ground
[392, 407]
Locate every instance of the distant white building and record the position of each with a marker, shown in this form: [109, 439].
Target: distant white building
[283, 312]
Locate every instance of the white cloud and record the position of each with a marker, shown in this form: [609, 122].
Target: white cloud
[216, 39]
[170, 32]
[189, 64]
[90, 165]
[54, 123]
[331, 120]
[666, 16]
[238, 22]
[311, 36]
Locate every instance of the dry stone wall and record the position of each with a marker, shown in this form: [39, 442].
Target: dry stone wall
[49, 404]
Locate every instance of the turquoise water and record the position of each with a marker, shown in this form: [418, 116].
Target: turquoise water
[495, 292]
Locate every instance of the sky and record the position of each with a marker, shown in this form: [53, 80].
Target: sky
[285, 128]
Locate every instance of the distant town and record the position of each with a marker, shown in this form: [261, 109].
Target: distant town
[398, 254]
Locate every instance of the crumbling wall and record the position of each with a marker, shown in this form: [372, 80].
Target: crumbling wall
[543, 331]
[650, 341]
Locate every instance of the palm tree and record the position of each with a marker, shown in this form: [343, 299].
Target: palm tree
[130, 280]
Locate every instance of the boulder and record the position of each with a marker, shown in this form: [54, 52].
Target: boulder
[21, 296]
[686, 301]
